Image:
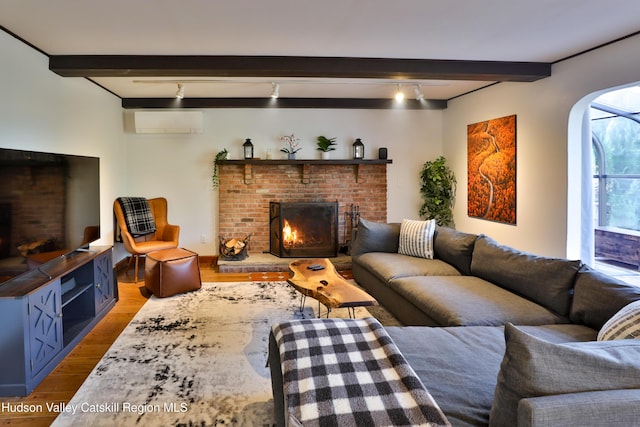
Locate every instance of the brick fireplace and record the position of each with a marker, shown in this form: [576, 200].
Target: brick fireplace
[248, 186]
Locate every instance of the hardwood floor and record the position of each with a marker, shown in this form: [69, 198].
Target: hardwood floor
[63, 382]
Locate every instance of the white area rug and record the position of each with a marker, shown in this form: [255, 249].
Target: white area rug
[196, 359]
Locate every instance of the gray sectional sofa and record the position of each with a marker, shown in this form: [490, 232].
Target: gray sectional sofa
[472, 280]
[498, 336]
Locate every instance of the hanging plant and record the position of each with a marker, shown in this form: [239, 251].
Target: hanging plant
[438, 191]
[222, 155]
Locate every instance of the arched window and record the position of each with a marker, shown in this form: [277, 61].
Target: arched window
[615, 126]
[615, 129]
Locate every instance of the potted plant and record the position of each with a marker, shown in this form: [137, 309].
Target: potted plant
[325, 145]
[438, 191]
[293, 146]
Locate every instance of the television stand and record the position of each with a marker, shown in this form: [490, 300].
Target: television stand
[34, 261]
[45, 316]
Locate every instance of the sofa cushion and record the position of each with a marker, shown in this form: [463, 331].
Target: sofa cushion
[416, 238]
[547, 281]
[375, 237]
[623, 325]
[459, 365]
[534, 367]
[387, 266]
[469, 300]
[597, 297]
[454, 247]
[611, 408]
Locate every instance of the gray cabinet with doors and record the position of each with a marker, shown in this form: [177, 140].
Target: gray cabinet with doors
[45, 313]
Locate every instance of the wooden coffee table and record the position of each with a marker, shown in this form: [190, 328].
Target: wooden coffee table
[318, 279]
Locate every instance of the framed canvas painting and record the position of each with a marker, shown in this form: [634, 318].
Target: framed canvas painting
[491, 170]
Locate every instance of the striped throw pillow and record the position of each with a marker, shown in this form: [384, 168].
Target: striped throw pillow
[623, 325]
[416, 238]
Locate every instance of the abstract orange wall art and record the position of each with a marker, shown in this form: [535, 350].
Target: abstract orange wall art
[491, 170]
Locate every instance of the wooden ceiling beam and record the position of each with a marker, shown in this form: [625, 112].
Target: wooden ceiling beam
[295, 66]
[267, 102]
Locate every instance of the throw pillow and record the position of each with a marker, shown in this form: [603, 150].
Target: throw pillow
[416, 238]
[454, 247]
[624, 324]
[533, 367]
[373, 236]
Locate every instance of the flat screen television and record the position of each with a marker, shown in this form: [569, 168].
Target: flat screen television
[49, 207]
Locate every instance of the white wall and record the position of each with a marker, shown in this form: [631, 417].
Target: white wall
[543, 109]
[179, 167]
[41, 111]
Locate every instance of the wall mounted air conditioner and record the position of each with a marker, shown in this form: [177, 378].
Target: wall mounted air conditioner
[168, 121]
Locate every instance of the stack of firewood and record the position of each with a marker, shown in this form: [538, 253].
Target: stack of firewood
[234, 248]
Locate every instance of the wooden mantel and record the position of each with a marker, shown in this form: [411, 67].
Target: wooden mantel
[304, 163]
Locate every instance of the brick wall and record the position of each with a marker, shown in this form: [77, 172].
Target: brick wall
[246, 190]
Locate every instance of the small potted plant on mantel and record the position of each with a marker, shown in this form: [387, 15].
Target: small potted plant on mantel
[293, 146]
[325, 145]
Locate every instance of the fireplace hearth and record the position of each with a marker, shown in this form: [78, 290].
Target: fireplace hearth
[303, 229]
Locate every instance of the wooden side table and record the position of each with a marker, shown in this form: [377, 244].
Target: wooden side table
[318, 279]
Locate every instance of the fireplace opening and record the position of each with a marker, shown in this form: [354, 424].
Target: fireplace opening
[303, 229]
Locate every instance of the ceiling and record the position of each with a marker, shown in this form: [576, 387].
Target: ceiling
[332, 52]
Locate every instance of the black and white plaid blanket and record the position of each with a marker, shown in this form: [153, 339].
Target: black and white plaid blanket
[137, 215]
[348, 372]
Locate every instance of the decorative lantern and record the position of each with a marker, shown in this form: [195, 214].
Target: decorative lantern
[247, 147]
[358, 149]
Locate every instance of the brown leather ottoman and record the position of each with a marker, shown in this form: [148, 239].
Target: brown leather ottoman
[172, 271]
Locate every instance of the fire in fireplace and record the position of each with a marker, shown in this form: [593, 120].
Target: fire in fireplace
[303, 229]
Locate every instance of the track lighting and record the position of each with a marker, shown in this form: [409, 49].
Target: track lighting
[418, 91]
[399, 95]
[275, 90]
[180, 92]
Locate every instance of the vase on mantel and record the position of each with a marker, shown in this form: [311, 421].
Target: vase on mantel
[291, 156]
[325, 155]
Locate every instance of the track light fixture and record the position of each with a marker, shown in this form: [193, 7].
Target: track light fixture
[399, 96]
[275, 90]
[180, 91]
